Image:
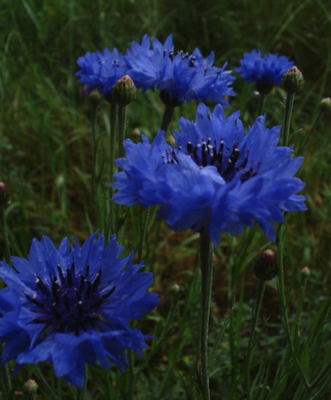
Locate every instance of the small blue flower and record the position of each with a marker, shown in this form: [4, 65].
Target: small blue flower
[216, 178]
[180, 77]
[72, 306]
[266, 71]
[101, 71]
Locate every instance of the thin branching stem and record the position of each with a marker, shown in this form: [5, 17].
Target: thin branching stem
[3, 228]
[261, 104]
[287, 118]
[206, 257]
[121, 128]
[167, 116]
[283, 302]
[95, 166]
[5, 377]
[256, 313]
[112, 207]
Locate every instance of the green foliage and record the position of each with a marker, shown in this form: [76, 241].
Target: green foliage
[46, 159]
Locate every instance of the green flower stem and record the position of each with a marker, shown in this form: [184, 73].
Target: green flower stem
[261, 104]
[112, 207]
[287, 118]
[283, 302]
[256, 313]
[5, 377]
[95, 166]
[305, 141]
[281, 245]
[131, 374]
[3, 227]
[121, 138]
[130, 393]
[121, 126]
[143, 234]
[206, 256]
[167, 116]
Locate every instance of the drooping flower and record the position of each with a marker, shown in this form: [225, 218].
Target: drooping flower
[266, 71]
[180, 77]
[101, 71]
[216, 178]
[72, 306]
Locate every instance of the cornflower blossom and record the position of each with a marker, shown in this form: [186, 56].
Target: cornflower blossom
[181, 77]
[101, 71]
[266, 71]
[72, 306]
[216, 178]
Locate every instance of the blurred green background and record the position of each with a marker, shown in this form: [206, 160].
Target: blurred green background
[45, 136]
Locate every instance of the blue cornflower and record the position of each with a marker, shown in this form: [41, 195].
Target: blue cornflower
[266, 71]
[180, 77]
[216, 178]
[101, 71]
[72, 306]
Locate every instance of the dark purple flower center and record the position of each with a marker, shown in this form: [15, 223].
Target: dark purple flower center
[223, 158]
[184, 55]
[69, 302]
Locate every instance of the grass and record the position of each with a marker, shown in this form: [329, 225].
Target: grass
[46, 161]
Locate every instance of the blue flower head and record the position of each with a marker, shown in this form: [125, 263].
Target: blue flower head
[72, 306]
[180, 77]
[216, 178]
[101, 71]
[266, 71]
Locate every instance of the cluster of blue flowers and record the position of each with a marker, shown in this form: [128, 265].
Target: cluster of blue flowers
[266, 71]
[180, 77]
[215, 178]
[72, 306]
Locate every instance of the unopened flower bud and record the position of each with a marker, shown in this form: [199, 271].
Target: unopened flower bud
[265, 267]
[124, 91]
[95, 98]
[4, 195]
[305, 271]
[293, 80]
[325, 106]
[30, 389]
[175, 288]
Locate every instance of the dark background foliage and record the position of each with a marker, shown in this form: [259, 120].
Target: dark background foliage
[45, 140]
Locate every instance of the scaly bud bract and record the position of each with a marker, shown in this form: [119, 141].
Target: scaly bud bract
[30, 389]
[265, 267]
[293, 80]
[124, 91]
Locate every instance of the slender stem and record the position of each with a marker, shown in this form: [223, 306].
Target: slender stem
[112, 207]
[143, 234]
[287, 118]
[5, 377]
[261, 104]
[167, 116]
[131, 376]
[206, 256]
[3, 226]
[281, 245]
[95, 168]
[283, 303]
[256, 313]
[121, 130]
